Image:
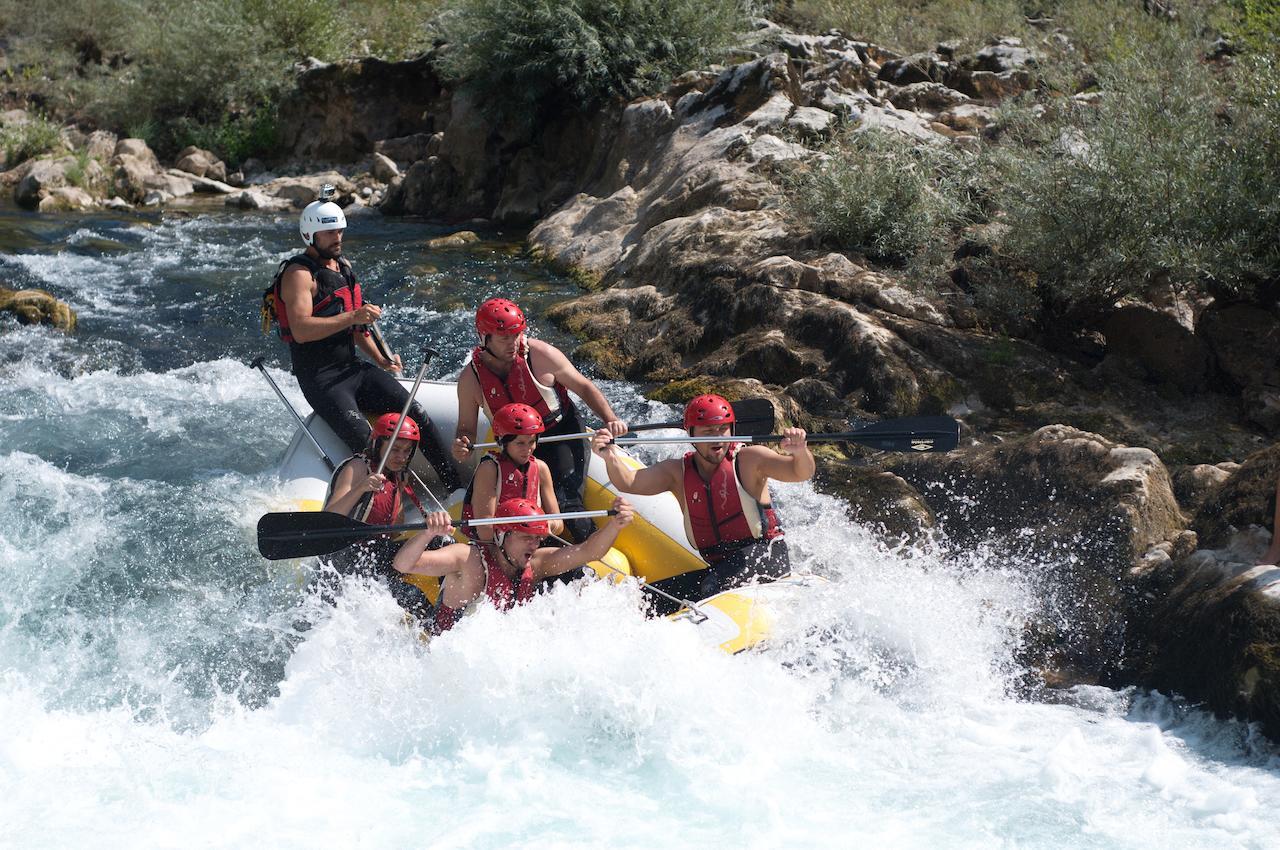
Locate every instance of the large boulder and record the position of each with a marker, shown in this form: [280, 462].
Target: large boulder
[46, 176]
[1165, 349]
[1210, 630]
[1076, 512]
[135, 170]
[201, 163]
[339, 110]
[35, 306]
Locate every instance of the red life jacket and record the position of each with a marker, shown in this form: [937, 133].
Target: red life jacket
[720, 515]
[514, 482]
[498, 588]
[387, 503]
[336, 292]
[519, 386]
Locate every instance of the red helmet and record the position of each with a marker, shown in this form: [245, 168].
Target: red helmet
[516, 419]
[520, 508]
[499, 316]
[708, 410]
[385, 425]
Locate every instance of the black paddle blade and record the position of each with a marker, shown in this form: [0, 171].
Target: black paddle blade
[304, 533]
[912, 434]
[755, 417]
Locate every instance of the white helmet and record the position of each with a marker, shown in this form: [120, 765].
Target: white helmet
[322, 214]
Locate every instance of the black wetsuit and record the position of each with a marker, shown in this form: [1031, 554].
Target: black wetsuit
[767, 559]
[342, 387]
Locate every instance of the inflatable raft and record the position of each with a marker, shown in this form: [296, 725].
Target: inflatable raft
[651, 548]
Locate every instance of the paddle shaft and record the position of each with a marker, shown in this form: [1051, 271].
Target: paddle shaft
[427, 354]
[343, 526]
[257, 364]
[918, 434]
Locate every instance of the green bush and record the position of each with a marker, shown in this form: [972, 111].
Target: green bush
[21, 142]
[886, 196]
[523, 57]
[1158, 182]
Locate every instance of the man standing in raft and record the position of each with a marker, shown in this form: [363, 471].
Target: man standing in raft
[317, 304]
[510, 367]
[512, 472]
[507, 570]
[723, 489]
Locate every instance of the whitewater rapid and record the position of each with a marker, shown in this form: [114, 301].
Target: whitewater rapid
[161, 685]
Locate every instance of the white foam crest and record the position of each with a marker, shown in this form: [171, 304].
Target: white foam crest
[88, 284]
[162, 402]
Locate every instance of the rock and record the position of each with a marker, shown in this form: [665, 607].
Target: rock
[132, 174]
[302, 190]
[157, 197]
[66, 199]
[202, 184]
[384, 168]
[14, 118]
[991, 86]
[1262, 408]
[248, 199]
[1005, 55]
[968, 117]
[409, 149]
[1165, 349]
[453, 240]
[1210, 630]
[139, 150]
[877, 498]
[917, 68]
[340, 110]
[1076, 510]
[1246, 498]
[35, 306]
[927, 95]
[46, 175]
[1194, 484]
[1245, 341]
[811, 122]
[117, 203]
[101, 144]
[769, 148]
[201, 163]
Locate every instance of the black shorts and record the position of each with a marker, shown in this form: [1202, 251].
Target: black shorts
[763, 559]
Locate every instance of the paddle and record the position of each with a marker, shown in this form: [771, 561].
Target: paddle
[753, 415]
[297, 534]
[912, 434]
[257, 364]
[427, 354]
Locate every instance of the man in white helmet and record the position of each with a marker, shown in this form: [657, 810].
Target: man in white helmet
[323, 318]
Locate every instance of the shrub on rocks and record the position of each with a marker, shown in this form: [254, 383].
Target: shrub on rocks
[526, 57]
[1148, 185]
[22, 140]
[887, 197]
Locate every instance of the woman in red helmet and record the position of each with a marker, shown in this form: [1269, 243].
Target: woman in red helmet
[723, 489]
[512, 472]
[378, 498]
[509, 367]
[506, 570]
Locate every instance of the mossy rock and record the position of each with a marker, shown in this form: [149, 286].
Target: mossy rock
[35, 306]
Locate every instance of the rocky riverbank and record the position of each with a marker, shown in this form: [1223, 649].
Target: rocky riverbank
[1132, 466]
